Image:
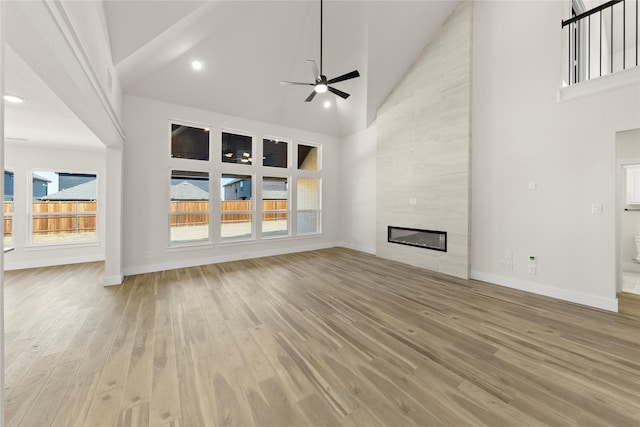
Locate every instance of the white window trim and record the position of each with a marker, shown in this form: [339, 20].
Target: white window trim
[31, 215]
[189, 243]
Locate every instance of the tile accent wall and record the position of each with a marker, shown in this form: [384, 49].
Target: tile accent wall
[423, 150]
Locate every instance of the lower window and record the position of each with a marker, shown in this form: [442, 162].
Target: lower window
[275, 207]
[308, 204]
[236, 208]
[64, 208]
[189, 213]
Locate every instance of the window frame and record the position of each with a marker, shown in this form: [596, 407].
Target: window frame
[276, 211]
[9, 215]
[252, 155]
[190, 243]
[251, 212]
[202, 126]
[318, 210]
[289, 152]
[318, 160]
[31, 215]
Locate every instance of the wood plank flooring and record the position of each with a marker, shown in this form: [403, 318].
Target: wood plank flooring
[322, 338]
[629, 303]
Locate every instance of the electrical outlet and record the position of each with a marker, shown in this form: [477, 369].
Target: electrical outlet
[509, 264]
[532, 269]
[503, 264]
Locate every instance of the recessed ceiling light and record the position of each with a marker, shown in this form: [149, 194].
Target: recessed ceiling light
[327, 104]
[196, 65]
[14, 99]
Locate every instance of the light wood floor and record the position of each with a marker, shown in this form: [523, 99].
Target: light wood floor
[323, 338]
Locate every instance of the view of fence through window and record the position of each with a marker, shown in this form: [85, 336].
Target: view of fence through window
[8, 208]
[189, 210]
[63, 208]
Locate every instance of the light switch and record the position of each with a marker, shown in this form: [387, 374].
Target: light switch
[533, 185]
[596, 208]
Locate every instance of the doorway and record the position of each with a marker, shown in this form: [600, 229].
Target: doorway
[628, 211]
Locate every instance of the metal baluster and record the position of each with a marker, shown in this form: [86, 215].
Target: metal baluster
[600, 33]
[589, 48]
[569, 48]
[611, 43]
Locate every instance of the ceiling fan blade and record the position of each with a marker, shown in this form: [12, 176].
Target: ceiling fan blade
[297, 83]
[314, 68]
[351, 75]
[310, 97]
[341, 94]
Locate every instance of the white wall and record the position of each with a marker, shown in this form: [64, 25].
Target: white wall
[147, 166]
[522, 135]
[358, 190]
[22, 160]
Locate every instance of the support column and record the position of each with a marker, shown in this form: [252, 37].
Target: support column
[114, 213]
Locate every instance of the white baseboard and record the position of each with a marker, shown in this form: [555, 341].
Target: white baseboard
[113, 280]
[49, 262]
[359, 248]
[609, 304]
[151, 268]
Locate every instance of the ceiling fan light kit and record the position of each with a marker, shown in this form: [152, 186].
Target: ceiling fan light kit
[321, 83]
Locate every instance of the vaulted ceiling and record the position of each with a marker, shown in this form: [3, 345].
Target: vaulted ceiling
[247, 48]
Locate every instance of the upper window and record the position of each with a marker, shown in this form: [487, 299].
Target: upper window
[274, 153]
[189, 213]
[307, 157]
[237, 148]
[63, 208]
[189, 143]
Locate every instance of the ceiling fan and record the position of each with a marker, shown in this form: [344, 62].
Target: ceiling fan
[321, 84]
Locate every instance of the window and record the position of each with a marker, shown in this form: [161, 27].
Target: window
[275, 207]
[274, 153]
[308, 212]
[189, 213]
[237, 148]
[8, 208]
[63, 210]
[308, 158]
[189, 142]
[236, 209]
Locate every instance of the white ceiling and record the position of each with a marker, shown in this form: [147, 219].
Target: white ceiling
[248, 47]
[43, 118]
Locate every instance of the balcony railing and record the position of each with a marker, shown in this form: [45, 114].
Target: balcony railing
[601, 41]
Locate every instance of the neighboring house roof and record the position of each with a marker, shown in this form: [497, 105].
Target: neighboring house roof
[274, 195]
[39, 177]
[85, 191]
[236, 181]
[187, 191]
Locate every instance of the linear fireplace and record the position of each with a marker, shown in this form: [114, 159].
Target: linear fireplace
[427, 239]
